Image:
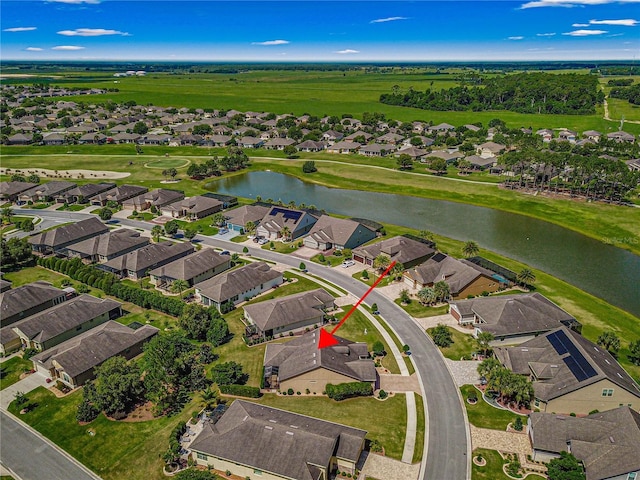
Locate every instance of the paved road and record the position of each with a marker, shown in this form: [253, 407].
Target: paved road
[32, 457]
[447, 440]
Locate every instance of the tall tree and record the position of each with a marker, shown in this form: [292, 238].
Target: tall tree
[195, 320]
[526, 277]
[179, 286]
[442, 290]
[610, 341]
[381, 262]
[566, 467]
[118, 385]
[470, 249]
[156, 233]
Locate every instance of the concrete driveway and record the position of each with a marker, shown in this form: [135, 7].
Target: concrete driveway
[27, 384]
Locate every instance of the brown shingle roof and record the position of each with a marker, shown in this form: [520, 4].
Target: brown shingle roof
[285, 444]
[148, 256]
[65, 234]
[401, 249]
[23, 298]
[235, 282]
[110, 243]
[186, 268]
[334, 230]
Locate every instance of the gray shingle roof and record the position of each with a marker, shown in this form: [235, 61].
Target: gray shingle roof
[334, 230]
[21, 299]
[110, 243]
[607, 443]
[89, 350]
[121, 193]
[68, 233]
[192, 265]
[279, 442]
[302, 355]
[10, 189]
[194, 205]
[246, 213]
[400, 249]
[64, 317]
[148, 256]
[291, 309]
[49, 189]
[457, 273]
[515, 314]
[235, 282]
[554, 377]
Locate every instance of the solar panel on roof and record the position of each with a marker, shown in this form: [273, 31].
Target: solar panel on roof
[287, 214]
[578, 372]
[438, 257]
[575, 361]
[557, 342]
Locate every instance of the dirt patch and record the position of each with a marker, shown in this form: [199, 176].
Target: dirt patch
[86, 174]
[141, 413]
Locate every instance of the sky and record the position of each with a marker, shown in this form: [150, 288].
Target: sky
[319, 30]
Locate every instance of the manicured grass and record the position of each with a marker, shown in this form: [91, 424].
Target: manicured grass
[167, 163]
[354, 328]
[281, 247]
[493, 469]
[118, 450]
[462, 346]
[240, 238]
[407, 360]
[146, 216]
[483, 415]
[418, 450]
[10, 370]
[203, 226]
[416, 309]
[385, 421]
[331, 260]
[33, 274]
[72, 208]
[372, 279]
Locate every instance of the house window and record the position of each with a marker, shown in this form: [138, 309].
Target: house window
[537, 402]
[607, 392]
[258, 472]
[201, 456]
[632, 476]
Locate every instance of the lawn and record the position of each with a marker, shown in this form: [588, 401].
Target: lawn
[384, 421]
[493, 469]
[407, 360]
[463, 345]
[281, 247]
[117, 450]
[417, 310]
[483, 415]
[34, 274]
[331, 260]
[10, 370]
[203, 226]
[354, 328]
[72, 208]
[417, 452]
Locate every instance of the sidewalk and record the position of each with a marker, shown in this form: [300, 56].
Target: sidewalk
[27, 384]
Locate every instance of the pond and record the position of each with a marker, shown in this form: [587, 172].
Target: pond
[606, 271]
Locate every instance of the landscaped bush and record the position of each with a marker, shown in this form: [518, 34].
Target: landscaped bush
[517, 425]
[290, 391]
[382, 394]
[241, 391]
[442, 336]
[86, 411]
[349, 390]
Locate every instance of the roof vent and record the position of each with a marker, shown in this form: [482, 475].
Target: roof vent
[267, 427]
[611, 439]
[294, 426]
[525, 349]
[289, 433]
[245, 418]
[273, 421]
[619, 374]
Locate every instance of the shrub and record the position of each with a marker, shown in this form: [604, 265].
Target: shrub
[365, 274]
[375, 446]
[245, 250]
[517, 425]
[349, 390]
[472, 397]
[382, 394]
[309, 167]
[241, 391]
[406, 348]
[442, 336]
[290, 391]
[378, 348]
[28, 353]
[87, 412]
[302, 266]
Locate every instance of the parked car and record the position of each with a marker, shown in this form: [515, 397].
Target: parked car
[222, 231]
[257, 238]
[348, 263]
[225, 252]
[263, 241]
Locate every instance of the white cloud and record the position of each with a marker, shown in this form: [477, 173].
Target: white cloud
[516, 38]
[585, 33]
[347, 51]
[626, 22]
[578, 25]
[20, 29]
[545, 34]
[388, 19]
[571, 3]
[33, 49]
[67, 47]
[615, 35]
[271, 42]
[90, 32]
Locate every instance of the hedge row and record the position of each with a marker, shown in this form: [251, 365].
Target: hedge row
[349, 390]
[110, 284]
[241, 391]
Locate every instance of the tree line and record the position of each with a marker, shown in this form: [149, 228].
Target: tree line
[630, 94]
[537, 93]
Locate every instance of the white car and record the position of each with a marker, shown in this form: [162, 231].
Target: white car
[348, 263]
[263, 241]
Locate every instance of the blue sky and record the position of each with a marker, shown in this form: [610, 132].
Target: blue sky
[288, 31]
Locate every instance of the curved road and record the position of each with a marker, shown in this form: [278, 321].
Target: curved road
[447, 443]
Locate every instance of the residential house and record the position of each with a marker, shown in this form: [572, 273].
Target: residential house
[546, 134]
[512, 319]
[297, 222]
[137, 263]
[20, 139]
[74, 361]
[252, 440]
[250, 142]
[66, 320]
[11, 190]
[376, 149]
[239, 217]
[4, 285]
[220, 140]
[119, 194]
[53, 138]
[567, 136]
[278, 143]
[45, 192]
[463, 277]
[445, 155]
[301, 365]
[621, 137]
[193, 208]
[607, 443]
[634, 164]
[235, 286]
[344, 147]
[592, 135]
[93, 138]
[414, 152]
[293, 313]
[403, 250]
[107, 246]
[9, 341]
[124, 137]
[570, 374]
[155, 198]
[84, 193]
[311, 146]
[359, 134]
[330, 232]
[442, 128]
[480, 163]
[21, 302]
[490, 149]
[332, 136]
[392, 138]
[194, 268]
[56, 240]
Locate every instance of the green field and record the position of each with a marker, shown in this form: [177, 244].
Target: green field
[314, 92]
[10, 371]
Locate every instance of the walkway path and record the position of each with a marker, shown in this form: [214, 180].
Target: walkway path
[385, 468]
[27, 384]
[400, 383]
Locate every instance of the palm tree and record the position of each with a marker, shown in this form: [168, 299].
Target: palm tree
[483, 341]
[285, 232]
[381, 262]
[426, 296]
[249, 227]
[178, 286]
[156, 233]
[470, 249]
[441, 290]
[397, 271]
[526, 277]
